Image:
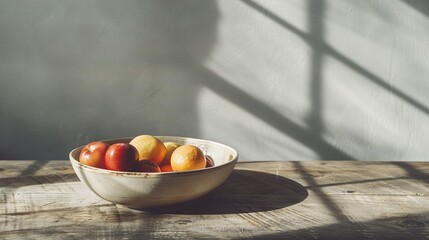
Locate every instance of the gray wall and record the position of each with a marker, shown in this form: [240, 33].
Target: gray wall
[278, 80]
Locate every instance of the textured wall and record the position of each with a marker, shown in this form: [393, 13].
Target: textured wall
[278, 80]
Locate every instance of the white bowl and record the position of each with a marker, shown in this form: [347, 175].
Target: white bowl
[144, 190]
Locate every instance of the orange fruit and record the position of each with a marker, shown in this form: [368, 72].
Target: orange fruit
[170, 146]
[166, 168]
[187, 157]
[149, 148]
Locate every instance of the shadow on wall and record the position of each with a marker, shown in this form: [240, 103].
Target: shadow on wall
[420, 6]
[321, 49]
[311, 137]
[74, 72]
[172, 37]
[99, 69]
[114, 69]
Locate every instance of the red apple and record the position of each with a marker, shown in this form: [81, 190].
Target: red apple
[147, 166]
[209, 162]
[166, 168]
[93, 154]
[121, 157]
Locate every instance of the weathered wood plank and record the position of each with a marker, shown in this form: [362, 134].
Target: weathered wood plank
[267, 200]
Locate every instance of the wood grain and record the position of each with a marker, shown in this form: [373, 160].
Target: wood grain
[266, 200]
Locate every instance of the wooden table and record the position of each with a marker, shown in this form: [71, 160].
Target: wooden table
[261, 200]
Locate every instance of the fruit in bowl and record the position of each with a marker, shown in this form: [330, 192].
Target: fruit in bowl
[144, 153]
[145, 187]
[170, 147]
[147, 166]
[93, 154]
[187, 157]
[121, 157]
[149, 148]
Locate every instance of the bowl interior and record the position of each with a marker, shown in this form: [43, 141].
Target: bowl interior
[221, 154]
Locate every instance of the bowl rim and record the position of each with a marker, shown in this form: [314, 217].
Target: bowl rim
[78, 164]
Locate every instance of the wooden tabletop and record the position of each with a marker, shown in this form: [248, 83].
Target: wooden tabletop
[261, 200]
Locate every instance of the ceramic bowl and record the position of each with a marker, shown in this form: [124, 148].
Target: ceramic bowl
[140, 190]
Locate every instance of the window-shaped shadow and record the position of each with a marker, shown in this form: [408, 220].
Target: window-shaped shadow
[26, 176]
[413, 226]
[419, 5]
[315, 39]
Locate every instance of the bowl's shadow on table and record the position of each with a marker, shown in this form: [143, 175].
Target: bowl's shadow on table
[244, 191]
